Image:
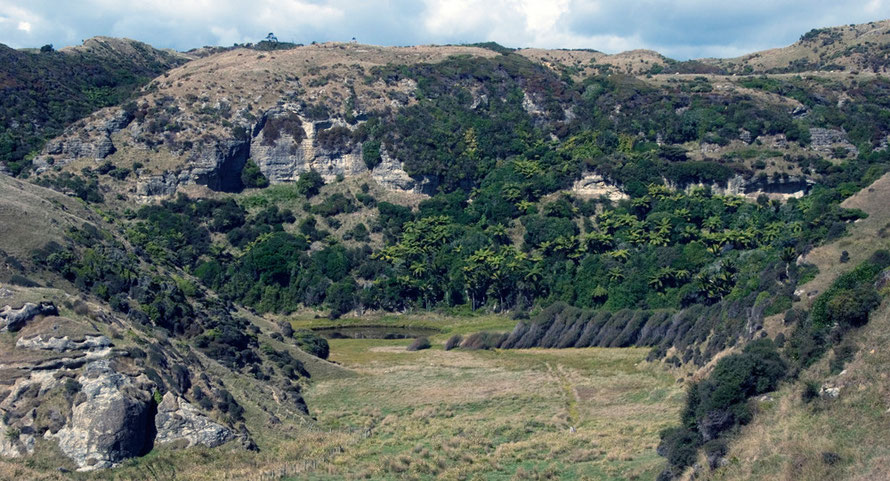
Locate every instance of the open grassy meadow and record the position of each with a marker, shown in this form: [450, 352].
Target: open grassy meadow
[383, 412]
[529, 414]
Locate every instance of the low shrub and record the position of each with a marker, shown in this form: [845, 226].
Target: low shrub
[419, 344]
[312, 343]
[453, 341]
[483, 340]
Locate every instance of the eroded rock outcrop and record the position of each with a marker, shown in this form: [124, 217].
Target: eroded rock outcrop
[391, 174]
[63, 344]
[157, 185]
[825, 141]
[179, 423]
[88, 139]
[784, 187]
[595, 185]
[14, 319]
[287, 144]
[112, 419]
[218, 166]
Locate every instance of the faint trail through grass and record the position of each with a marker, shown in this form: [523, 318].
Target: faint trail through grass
[569, 392]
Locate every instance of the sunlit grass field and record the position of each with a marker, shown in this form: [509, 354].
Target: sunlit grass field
[508, 414]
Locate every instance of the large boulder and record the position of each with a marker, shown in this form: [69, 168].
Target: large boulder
[111, 420]
[181, 424]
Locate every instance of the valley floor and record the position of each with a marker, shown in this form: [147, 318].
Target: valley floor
[591, 413]
[530, 414]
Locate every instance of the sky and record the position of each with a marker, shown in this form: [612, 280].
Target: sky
[680, 29]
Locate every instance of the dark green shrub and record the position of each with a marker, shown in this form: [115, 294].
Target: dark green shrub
[309, 183]
[252, 177]
[718, 403]
[371, 153]
[679, 445]
[312, 343]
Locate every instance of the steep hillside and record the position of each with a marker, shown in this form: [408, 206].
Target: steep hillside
[396, 178]
[105, 357]
[841, 401]
[43, 92]
[853, 48]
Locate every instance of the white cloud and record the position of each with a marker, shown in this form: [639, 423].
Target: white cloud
[874, 6]
[543, 15]
[227, 36]
[25, 27]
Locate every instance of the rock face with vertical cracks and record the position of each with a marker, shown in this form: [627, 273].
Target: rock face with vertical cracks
[112, 421]
[218, 167]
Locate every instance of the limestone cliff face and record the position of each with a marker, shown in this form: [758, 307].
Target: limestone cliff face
[783, 188]
[284, 143]
[287, 144]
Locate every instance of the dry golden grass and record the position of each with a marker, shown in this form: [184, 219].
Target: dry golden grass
[834, 52]
[864, 238]
[497, 414]
[31, 216]
[633, 62]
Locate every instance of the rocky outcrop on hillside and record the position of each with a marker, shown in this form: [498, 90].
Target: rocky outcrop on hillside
[89, 139]
[779, 187]
[14, 319]
[111, 419]
[391, 174]
[595, 185]
[287, 144]
[218, 165]
[179, 422]
[62, 344]
[825, 141]
[62, 381]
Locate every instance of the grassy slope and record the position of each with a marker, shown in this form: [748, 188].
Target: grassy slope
[31, 216]
[787, 438]
[820, 51]
[863, 240]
